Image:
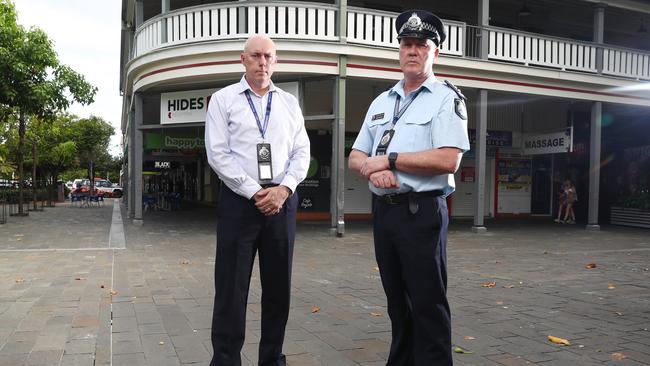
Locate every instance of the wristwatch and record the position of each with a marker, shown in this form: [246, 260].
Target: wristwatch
[392, 159]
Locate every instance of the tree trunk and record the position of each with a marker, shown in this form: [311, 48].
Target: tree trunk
[21, 143]
[34, 182]
[92, 178]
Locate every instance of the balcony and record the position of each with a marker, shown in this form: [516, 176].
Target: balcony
[367, 27]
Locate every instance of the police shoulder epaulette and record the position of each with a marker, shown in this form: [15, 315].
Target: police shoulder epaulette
[455, 89]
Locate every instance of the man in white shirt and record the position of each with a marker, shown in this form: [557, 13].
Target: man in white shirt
[256, 142]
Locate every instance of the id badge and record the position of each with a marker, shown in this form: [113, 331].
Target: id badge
[264, 167]
[384, 142]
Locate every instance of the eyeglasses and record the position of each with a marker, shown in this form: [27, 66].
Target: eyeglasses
[257, 56]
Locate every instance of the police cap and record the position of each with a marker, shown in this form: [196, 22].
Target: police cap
[420, 24]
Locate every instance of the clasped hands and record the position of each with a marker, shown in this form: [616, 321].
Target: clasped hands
[269, 201]
[377, 170]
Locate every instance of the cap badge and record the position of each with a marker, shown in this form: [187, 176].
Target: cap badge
[414, 23]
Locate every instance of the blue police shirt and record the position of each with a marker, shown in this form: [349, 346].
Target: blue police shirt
[433, 120]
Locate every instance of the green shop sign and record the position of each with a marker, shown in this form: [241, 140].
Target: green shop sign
[156, 140]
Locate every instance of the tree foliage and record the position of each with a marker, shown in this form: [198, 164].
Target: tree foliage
[33, 83]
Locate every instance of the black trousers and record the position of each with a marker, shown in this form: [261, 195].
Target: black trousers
[411, 253]
[241, 232]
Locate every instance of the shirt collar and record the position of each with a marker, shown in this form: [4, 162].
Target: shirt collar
[429, 84]
[243, 86]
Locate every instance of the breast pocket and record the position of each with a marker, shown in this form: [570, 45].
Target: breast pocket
[417, 131]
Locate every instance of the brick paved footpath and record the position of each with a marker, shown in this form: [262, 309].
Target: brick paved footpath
[58, 268]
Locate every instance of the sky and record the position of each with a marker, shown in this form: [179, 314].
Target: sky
[86, 37]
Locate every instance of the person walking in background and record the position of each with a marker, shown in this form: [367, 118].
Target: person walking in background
[571, 198]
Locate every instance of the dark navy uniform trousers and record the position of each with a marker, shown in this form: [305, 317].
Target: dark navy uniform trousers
[411, 253]
[241, 232]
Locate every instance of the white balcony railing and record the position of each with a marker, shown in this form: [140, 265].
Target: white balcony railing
[532, 49]
[626, 63]
[238, 20]
[315, 21]
[377, 28]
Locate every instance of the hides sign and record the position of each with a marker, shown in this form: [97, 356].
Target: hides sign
[184, 107]
[549, 143]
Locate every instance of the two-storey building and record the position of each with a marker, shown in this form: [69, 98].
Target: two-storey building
[557, 89]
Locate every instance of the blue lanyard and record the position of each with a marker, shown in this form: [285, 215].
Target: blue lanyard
[257, 118]
[398, 112]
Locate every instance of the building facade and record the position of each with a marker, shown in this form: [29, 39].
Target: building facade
[557, 89]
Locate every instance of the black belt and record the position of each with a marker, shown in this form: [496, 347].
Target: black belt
[402, 198]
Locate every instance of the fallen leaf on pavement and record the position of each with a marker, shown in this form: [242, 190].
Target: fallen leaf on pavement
[113, 292]
[463, 351]
[559, 340]
[315, 309]
[161, 343]
[376, 268]
[508, 286]
[185, 261]
[375, 314]
[590, 266]
[468, 338]
[618, 356]
[80, 279]
[489, 284]
[618, 313]
[20, 280]
[611, 286]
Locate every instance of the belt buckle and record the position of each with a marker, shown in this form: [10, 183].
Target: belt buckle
[391, 198]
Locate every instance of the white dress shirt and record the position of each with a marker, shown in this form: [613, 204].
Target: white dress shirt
[232, 135]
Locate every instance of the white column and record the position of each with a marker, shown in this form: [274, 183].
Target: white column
[164, 6]
[131, 158]
[137, 161]
[594, 165]
[483, 22]
[480, 162]
[139, 13]
[599, 34]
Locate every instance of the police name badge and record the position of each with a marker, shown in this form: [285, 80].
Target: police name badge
[384, 142]
[461, 110]
[377, 116]
[264, 167]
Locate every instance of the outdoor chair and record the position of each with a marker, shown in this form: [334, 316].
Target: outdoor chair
[76, 199]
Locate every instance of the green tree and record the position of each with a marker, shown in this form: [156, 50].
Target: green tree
[57, 150]
[34, 82]
[92, 136]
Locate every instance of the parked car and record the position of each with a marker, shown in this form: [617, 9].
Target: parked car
[82, 186]
[78, 183]
[108, 189]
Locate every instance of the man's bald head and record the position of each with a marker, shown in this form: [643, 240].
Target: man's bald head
[259, 60]
[258, 40]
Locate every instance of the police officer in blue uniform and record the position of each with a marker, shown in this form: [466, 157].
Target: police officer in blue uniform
[411, 143]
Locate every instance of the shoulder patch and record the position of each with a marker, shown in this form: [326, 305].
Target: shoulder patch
[455, 89]
[460, 109]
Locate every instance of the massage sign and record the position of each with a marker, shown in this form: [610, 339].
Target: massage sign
[549, 143]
